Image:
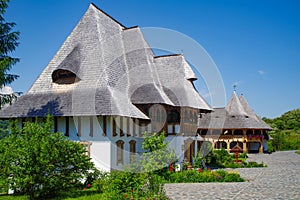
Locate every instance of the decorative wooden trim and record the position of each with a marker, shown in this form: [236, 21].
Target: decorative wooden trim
[121, 127]
[104, 128]
[67, 133]
[114, 127]
[128, 127]
[134, 127]
[91, 126]
[55, 125]
[79, 127]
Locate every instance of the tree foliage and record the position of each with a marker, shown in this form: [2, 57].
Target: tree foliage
[288, 121]
[37, 162]
[286, 131]
[157, 154]
[8, 44]
[4, 129]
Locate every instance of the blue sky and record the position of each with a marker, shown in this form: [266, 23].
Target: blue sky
[254, 43]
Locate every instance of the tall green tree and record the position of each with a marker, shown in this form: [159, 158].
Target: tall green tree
[8, 44]
[157, 154]
[37, 162]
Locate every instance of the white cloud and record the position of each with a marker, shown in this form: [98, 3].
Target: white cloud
[261, 72]
[6, 90]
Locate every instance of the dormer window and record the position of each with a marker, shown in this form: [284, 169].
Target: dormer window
[62, 76]
[67, 72]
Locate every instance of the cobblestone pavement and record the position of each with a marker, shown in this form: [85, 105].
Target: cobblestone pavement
[280, 180]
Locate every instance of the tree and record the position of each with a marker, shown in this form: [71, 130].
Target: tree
[37, 162]
[157, 154]
[3, 129]
[8, 44]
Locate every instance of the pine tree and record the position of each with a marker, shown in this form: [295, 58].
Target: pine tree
[8, 44]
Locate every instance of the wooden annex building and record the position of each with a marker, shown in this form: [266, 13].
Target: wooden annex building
[235, 124]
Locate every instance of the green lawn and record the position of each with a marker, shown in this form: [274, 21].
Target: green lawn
[83, 197]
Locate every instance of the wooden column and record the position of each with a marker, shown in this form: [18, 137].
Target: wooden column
[261, 147]
[245, 150]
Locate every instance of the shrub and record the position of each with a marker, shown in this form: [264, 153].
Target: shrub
[233, 177]
[39, 163]
[122, 185]
[192, 176]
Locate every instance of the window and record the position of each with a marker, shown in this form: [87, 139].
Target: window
[238, 132]
[62, 76]
[120, 152]
[132, 144]
[177, 128]
[173, 120]
[204, 132]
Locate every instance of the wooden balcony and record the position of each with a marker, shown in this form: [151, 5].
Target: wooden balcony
[223, 137]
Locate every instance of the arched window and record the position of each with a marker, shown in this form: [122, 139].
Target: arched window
[132, 145]
[233, 144]
[120, 152]
[220, 145]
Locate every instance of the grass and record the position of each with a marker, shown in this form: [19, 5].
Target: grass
[79, 196]
[12, 197]
[298, 152]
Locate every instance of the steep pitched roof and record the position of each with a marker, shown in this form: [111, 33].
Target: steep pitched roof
[115, 69]
[236, 115]
[234, 106]
[251, 113]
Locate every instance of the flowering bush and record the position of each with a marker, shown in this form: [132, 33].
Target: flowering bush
[193, 176]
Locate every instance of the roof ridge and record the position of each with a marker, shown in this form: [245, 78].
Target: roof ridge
[169, 55]
[99, 9]
[132, 27]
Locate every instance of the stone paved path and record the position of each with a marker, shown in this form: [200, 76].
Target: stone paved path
[280, 180]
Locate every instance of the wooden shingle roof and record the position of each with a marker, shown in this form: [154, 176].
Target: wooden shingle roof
[236, 115]
[115, 69]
